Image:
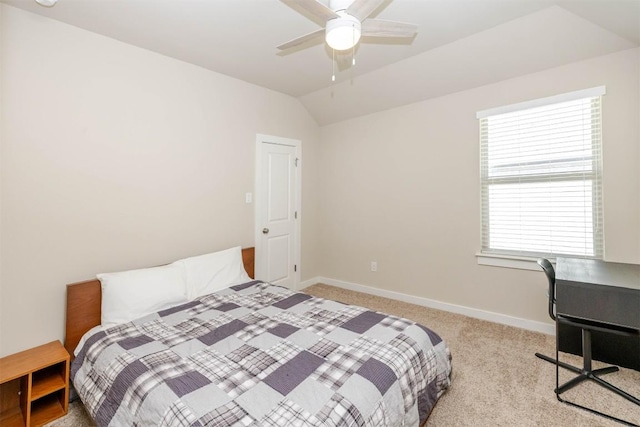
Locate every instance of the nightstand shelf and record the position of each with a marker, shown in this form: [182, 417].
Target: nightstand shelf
[12, 417]
[34, 386]
[47, 408]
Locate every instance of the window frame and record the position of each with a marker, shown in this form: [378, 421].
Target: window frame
[523, 259]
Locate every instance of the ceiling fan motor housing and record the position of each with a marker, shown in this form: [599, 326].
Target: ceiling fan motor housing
[337, 5]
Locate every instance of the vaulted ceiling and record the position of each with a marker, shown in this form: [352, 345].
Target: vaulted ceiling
[460, 43]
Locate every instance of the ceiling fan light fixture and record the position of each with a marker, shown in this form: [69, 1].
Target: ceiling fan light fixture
[343, 33]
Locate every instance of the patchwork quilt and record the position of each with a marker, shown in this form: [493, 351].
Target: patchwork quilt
[261, 355]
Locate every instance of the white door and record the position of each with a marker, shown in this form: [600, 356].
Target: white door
[278, 167]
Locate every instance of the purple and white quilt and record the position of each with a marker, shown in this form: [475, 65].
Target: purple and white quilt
[261, 355]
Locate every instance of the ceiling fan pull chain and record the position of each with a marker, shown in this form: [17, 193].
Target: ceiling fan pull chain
[333, 65]
[353, 47]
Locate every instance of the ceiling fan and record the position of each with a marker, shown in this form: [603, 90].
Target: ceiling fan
[346, 21]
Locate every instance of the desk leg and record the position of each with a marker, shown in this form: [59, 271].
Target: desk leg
[586, 349]
[558, 363]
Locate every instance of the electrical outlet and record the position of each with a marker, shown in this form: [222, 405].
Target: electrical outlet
[374, 266]
[248, 198]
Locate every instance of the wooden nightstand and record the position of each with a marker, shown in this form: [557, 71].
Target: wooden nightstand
[34, 386]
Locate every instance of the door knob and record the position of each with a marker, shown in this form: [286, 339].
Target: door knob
[265, 231]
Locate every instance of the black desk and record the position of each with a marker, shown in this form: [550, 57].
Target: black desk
[604, 292]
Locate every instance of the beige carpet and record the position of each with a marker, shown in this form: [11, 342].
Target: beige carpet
[497, 380]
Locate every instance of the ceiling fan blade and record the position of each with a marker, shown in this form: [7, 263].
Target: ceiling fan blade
[363, 8]
[313, 7]
[302, 39]
[381, 28]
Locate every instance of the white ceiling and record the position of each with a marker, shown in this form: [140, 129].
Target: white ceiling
[460, 43]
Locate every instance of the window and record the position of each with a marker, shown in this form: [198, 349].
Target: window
[541, 177]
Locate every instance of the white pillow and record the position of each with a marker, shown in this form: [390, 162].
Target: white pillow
[208, 273]
[132, 294]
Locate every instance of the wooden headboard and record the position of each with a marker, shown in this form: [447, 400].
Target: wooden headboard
[84, 303]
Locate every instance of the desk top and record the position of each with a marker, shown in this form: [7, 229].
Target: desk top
[606, 292]
[598, 272]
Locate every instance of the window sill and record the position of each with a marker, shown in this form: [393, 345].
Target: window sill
[509, 261]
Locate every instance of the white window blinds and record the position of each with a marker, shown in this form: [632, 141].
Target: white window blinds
[541, 177]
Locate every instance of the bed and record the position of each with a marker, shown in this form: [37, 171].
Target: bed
[254, 354]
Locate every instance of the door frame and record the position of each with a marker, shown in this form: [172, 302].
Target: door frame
[259, 200]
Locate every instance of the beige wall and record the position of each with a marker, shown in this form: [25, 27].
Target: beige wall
[402, 187]
[114, 157]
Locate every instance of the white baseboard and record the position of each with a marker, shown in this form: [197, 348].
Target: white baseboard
[309, 282]
[476, 313]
